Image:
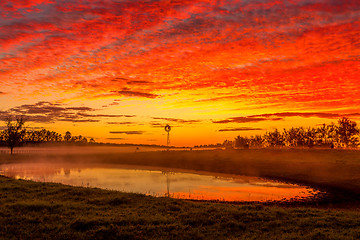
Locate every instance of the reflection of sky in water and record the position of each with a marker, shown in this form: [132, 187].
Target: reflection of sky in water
[156, 183]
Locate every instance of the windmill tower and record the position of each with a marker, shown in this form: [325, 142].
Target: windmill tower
[168, 129]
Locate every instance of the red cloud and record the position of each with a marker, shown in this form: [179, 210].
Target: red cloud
[302, 54]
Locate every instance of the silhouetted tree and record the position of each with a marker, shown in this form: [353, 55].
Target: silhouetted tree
[67, 136]
[326, 135]
[294, 137]
[256, 141]
[2, 137]
[82, 139]
[242, 142]
[14, 133]
[274, 138]
[347, 130]
[228, 144]
[332, 136]
[310, 137]
[346, 133]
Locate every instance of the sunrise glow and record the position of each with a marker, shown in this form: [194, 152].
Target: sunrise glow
[119, 70]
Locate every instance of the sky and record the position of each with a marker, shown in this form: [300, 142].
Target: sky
[120, 70]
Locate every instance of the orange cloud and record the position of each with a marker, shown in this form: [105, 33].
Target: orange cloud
[271, 55]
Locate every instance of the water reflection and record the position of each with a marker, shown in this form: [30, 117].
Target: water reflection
[159, 183]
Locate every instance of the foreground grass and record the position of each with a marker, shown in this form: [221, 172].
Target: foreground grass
[30, 210]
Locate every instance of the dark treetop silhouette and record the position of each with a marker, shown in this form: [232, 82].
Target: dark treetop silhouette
[343, 134]
[14, 133]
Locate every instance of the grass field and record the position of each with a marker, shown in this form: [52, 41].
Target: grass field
[30, 210]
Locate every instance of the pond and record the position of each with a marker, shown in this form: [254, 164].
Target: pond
[175, 184]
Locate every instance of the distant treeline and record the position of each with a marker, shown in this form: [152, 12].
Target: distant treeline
[216, 145]
[343, 134]
[45, 136]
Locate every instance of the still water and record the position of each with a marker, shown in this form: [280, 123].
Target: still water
[199, 186]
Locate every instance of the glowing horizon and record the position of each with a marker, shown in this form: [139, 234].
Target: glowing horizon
[119, 70]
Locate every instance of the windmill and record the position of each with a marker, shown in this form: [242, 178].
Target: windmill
[168, 129]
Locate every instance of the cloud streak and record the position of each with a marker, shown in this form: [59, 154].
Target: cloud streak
[121, 123]
[308, 114]
[283, 115]
[240, 129]
[127, 132]
[46, 112]
[136, 94]
[246, 119]
[177, 120]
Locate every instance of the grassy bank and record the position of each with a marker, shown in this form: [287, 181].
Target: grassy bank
[30, 210]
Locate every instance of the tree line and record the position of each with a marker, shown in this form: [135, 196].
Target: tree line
[15, 134]
[343, 134]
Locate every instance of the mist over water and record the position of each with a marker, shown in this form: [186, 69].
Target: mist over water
[101, 167]
[60, 150]
[320, 168]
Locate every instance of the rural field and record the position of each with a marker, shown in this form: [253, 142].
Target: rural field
[31, 210]
[179, 119]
